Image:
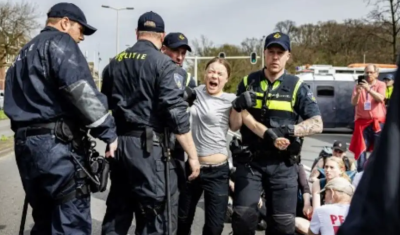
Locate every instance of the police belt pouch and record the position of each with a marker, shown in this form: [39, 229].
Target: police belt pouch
[97, 171]
[100, 169]
[63, 131]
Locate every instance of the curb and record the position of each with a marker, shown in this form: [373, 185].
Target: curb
[6, 151]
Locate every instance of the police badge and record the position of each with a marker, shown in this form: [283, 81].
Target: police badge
[178, 80]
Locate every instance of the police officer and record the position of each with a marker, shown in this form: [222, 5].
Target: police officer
[272, 132]
[389, 80]
[176, 45]
[146, 97]
[49, 93]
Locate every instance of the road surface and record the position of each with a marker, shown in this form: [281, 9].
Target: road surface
[12, 195]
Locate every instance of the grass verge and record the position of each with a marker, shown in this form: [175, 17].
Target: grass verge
[6, 145]
[3, 115]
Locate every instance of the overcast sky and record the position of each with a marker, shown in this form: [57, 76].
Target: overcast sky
[221, 21]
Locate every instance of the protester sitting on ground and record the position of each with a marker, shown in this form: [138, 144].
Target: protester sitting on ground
[327, 219]
[338, 150]
[334, 167]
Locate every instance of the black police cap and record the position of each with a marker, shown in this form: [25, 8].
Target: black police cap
[74, 13]
[278, 38]
[151, 22]
[176, 40]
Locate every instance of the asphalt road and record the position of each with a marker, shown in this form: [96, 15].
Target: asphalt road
[12, 195]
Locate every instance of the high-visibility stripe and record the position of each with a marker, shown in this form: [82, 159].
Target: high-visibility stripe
[275, 104]
[188, 79]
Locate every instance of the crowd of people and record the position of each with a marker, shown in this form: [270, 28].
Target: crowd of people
[158, 112]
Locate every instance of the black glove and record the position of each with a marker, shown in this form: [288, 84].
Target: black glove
[280, 132]
[189, 95]
[245, 101]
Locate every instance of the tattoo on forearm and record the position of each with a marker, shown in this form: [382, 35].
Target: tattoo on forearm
[308, 127]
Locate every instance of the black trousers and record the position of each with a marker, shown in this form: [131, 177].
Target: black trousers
[214, 181]
[138, 186]
[279, 181]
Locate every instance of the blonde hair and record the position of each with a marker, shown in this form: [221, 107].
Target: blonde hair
[342, 166]
[149, 34]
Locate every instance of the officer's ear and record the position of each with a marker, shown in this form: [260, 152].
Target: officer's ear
[289, 55]
[65, 24]
[137, 35]
[162, 37]
[163, 48]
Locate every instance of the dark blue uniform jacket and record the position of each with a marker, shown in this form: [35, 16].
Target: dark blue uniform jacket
[50, 79]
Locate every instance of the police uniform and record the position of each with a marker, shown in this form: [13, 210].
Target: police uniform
[146, 97]
[278, 104]
[49, 93]
[174, 41]
[389, 90]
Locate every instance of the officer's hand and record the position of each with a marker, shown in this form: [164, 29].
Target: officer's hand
[281, 143]
[189, 95]
[245, 101]
[111, 148]
[195, 167]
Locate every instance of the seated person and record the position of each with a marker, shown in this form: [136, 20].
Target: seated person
[334, 167]
[338, 150]
[327, 219]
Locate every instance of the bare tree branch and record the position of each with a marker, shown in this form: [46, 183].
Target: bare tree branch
[17, 22]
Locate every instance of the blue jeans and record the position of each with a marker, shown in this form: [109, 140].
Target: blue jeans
[48, 172]
[369, 137]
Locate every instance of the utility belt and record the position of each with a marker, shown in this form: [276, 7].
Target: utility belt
[65, 131]
[245, 154]
[148, 136]
[94, 167]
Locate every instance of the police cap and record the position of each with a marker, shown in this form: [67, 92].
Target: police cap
[74, 13]
[278, 38]
[388, 77]
[151, 22]
[176, 40]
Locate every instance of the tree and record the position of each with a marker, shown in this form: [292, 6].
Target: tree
[386, 16]
[287, 27]
[17, 22]
[240, 68]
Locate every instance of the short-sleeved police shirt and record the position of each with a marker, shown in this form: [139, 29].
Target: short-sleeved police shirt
[306, 106]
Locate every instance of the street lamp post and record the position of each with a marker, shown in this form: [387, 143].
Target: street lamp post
[262, 52]
[117, 10]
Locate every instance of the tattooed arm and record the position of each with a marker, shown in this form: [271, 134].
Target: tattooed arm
[309, 127]
[306, 106]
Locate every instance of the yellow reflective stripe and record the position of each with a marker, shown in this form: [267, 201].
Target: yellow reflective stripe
[188, 79]
[245, 81]
[280, 105]
[264, 85]
[260, 94]
[276, 85]
[296, 89]
[259, 100]
[389, 92]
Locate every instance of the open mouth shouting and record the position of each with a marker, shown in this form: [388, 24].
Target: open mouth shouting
[213, 84]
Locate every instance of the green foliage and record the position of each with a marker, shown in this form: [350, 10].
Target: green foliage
[3, 115]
